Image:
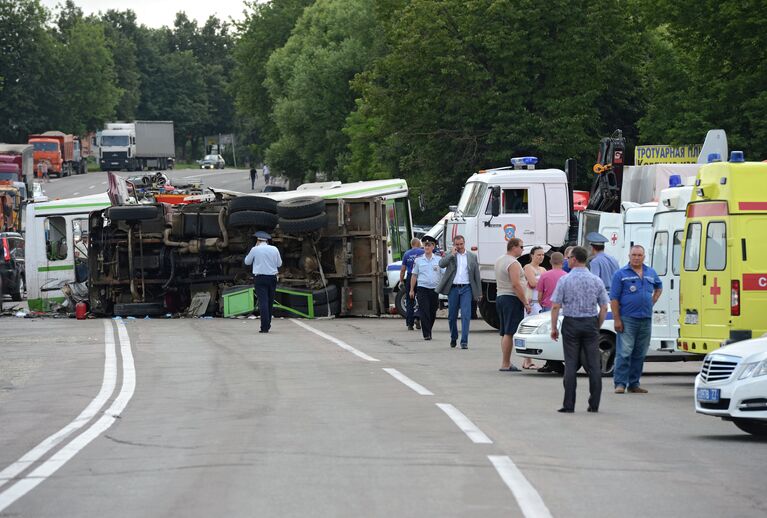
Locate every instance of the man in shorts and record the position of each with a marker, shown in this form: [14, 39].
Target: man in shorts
[511, 302]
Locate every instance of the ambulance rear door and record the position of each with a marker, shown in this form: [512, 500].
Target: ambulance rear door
[691, 279]
[715, 282]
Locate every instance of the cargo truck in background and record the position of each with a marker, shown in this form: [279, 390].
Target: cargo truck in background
[136, 146]
[62, 152]
[22, 157]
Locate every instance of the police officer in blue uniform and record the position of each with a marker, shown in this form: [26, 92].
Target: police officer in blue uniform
[602, 265]
[266, 261]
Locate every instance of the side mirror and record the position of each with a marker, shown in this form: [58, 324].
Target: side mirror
[453, 208]
[495, 200]
[422, 202]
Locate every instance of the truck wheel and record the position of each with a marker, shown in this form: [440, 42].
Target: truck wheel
[400, 301]
[253, 203]
[303, 207]
[752, 426]
[303, 225]
[253, 218]
[489, 313]
[132, 213]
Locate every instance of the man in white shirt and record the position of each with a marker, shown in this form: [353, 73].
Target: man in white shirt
[266, 261]
[462, 284]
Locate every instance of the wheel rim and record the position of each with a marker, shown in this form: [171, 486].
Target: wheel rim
[605, 355]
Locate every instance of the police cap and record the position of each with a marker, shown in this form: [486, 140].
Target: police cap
[595, 238]
[262, 236]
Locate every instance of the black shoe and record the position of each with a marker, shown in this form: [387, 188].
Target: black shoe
[464, 346]
[566, 410]
[263, 331]
[418, 324]
[546, 368]
[409, 328]
[427, 337]
[592, 410]
[453, 343]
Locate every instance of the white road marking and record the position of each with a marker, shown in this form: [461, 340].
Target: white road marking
[103, 183]
[201, 175]
[75, 193]
[530, 502]
[61, 457]
[107, 387]
[470, 429]
[92, 187]
[339, 343]
[420, 389]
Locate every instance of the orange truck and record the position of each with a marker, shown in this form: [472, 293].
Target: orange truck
[61, 151]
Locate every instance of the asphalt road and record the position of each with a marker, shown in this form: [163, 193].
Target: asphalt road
[226, 422]
[96, 182]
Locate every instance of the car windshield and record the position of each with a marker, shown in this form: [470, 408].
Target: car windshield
[114, 140]
[210, 157]
[45, 146]
[471, 198]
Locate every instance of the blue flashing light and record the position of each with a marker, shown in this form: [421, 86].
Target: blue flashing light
[737, 156]
[520, 161]
[714, 157]
[675, 180]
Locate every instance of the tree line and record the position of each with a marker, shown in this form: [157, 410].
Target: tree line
[428, 90]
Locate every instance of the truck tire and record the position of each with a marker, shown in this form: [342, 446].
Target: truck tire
[261, 203]
[253, 218]
[489, 313]
[303, 207]
[320, 297]
[399, 303]
[303, 225]
[139, 213]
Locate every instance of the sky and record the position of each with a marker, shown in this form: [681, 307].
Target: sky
[156, 13]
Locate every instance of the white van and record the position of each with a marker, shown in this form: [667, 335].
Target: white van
[57, 247]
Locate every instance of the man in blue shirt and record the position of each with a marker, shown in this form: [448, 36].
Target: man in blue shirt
[582, 297]
[425, 277]
[602, 265]
[266, 261]
[635, 289]
[405, 274]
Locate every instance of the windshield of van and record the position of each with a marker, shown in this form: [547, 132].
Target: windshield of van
[114, 140]
[471, 198]
[45, 146]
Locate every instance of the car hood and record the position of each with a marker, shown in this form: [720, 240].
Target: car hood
[753, 350]
[540, 318]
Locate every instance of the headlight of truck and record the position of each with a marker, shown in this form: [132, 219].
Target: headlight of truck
[754, 369]
[543, 329]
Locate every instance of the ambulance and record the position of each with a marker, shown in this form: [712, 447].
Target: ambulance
[723, 279]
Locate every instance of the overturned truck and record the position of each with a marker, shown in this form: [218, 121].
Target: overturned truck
[159, 258]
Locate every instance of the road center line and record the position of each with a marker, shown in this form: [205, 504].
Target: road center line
[61, 457]
[420, 389]
[107, 387]
[530, 502]
[92, 187]
[339, 343]
[470, 429]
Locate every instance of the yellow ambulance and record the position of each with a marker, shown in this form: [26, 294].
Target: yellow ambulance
[723, 279]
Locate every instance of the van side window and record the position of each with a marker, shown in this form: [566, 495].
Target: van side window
[56, 238]
[660, 253]
[676, 254]
[692, 248]
[716, 246]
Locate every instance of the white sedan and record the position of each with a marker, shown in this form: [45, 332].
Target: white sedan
[533, 340]
[732, 384]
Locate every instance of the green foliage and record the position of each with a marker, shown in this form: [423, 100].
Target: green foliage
[308, 80]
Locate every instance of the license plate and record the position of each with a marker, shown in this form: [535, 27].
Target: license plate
[708, 395]
[519, 343]
[691, 318]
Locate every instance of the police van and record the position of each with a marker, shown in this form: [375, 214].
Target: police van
[723, 280]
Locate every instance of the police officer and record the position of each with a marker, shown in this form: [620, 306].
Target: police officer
[424, 279]
[405, 273]
[266, 261]
[602, 265]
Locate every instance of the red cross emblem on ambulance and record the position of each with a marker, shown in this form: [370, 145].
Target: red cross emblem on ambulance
[614, 238]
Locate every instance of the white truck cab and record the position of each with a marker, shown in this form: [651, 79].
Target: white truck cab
[499, 204]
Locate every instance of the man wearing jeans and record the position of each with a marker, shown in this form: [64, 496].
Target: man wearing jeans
[462, 284]
[634, 290]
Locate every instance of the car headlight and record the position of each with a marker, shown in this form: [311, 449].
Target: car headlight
[754, 369]
[543, 329]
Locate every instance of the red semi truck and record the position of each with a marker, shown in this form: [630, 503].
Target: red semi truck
[61, 151]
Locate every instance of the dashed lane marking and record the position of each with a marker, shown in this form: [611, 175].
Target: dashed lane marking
[92, 187]
[476, 435]
[339, 343]
[420, 389]
[528, 499]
